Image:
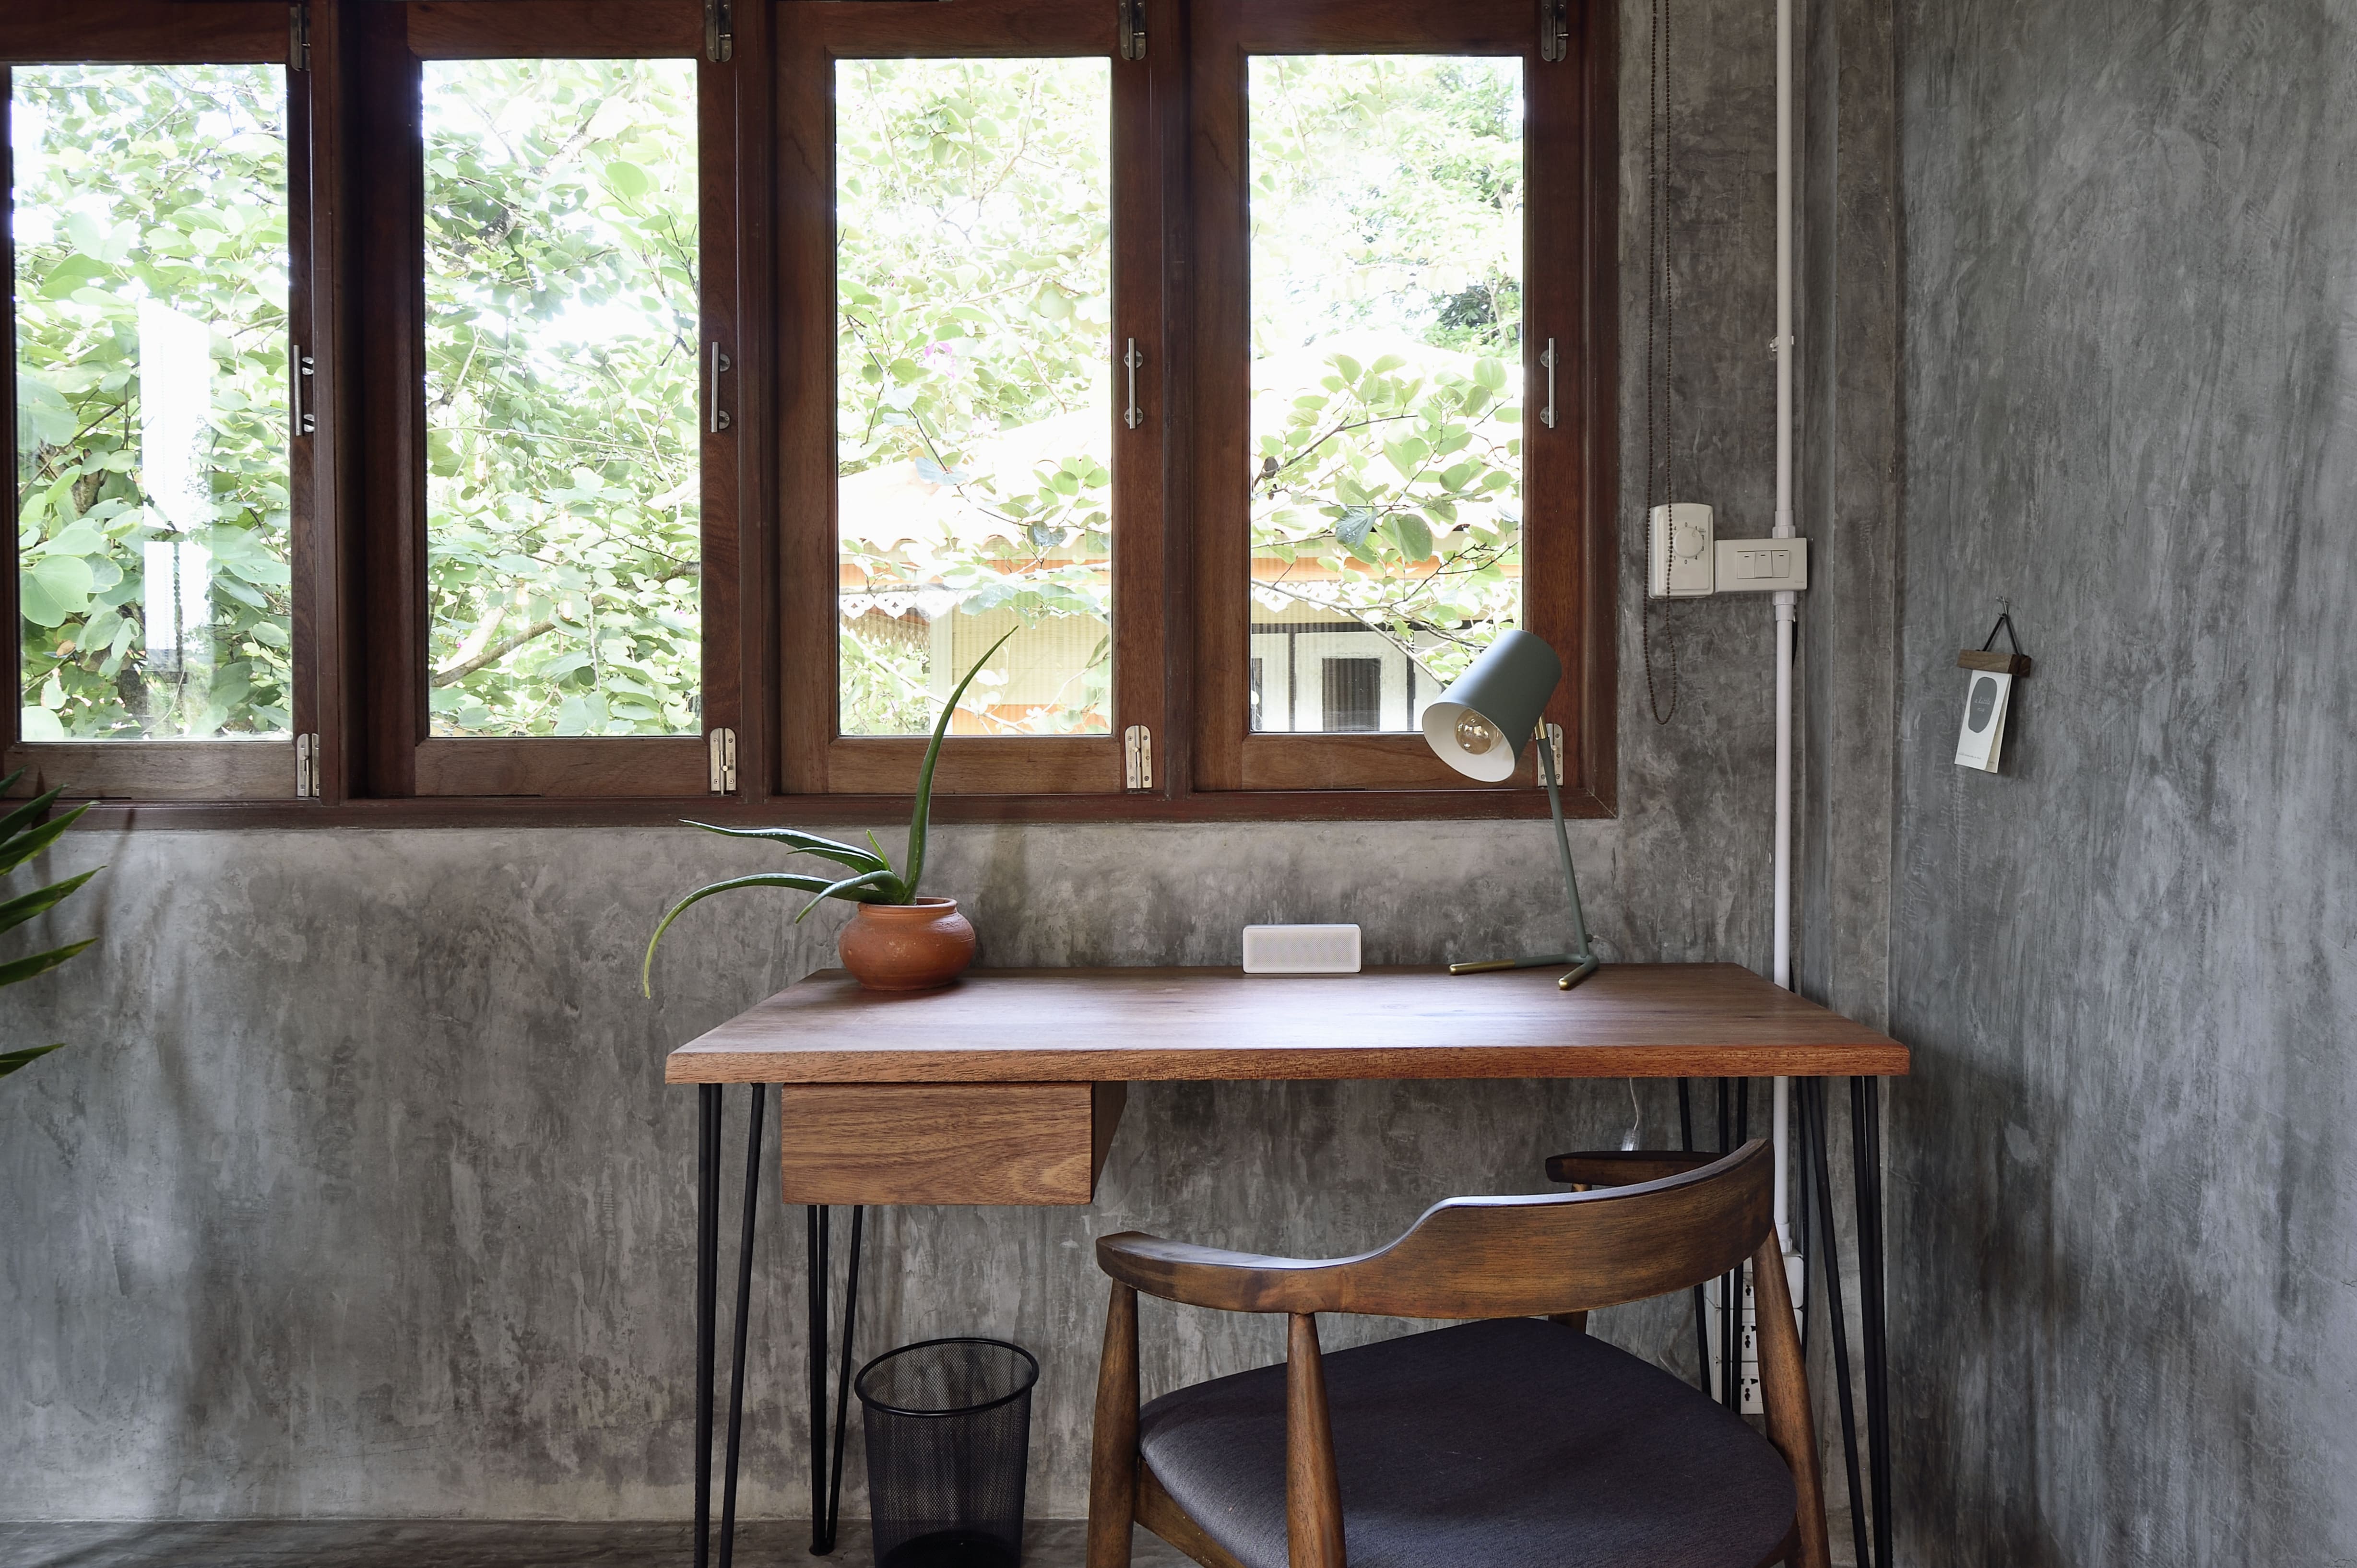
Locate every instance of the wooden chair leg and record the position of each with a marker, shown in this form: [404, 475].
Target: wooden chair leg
[1113, 1446]
[1784, 1395]
[1313, 1492]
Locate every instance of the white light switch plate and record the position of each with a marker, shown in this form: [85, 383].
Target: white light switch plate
[1762, 566]
[1682, 562]
[1301, 950]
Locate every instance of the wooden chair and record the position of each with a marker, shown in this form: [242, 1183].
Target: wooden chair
[1508, 1441]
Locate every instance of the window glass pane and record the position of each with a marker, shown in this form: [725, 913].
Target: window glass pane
[973, 417]
[1386, 348]
[561, 357]
[150, 232]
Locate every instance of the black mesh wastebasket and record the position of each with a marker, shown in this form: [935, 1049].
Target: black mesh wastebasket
[948, 1439]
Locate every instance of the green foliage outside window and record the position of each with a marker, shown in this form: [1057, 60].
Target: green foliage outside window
[1387, 217]
[564, 553]
[564, 360]
[974, 296]
[162, 184]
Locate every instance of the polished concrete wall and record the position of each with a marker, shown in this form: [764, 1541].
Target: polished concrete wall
[358, 1190]
[2123, 1169]
[359, 1193]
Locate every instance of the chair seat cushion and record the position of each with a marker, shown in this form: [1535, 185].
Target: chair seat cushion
[1513, 1444]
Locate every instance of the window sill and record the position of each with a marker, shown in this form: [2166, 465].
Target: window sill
[518, 812]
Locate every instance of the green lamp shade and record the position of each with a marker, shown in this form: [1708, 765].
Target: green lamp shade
[1479, 725]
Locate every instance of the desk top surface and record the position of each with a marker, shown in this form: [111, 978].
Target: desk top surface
[1066, 1025]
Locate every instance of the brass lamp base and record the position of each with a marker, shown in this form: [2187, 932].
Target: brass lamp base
[1587, 966]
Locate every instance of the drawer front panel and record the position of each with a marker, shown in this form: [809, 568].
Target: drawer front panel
[946, 1142]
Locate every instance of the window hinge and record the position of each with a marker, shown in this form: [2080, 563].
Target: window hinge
[1137, 757]
[1133, 29]
[308, 765]
[298, 37]
[1555, 29]
[719, 31]
[723, 743]
[1555, 745]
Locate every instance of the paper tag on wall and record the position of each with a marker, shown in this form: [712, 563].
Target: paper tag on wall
[1977, 745]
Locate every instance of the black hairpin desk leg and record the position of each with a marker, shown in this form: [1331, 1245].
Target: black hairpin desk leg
[1813, 1130]
[744, 1316]
[707, 1290]
[1865, 1151]
[1873, 1498]
[707, 1311]
[825, 1450]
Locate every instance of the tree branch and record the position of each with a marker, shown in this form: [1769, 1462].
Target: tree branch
[492, 654]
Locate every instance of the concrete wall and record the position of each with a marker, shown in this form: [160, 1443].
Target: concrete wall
[359, 1193]
[2124, 1179]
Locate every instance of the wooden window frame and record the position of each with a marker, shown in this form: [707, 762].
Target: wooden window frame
[771, 664]
[161, 32]
[1567, 541]
[813, 35]
[402, 757]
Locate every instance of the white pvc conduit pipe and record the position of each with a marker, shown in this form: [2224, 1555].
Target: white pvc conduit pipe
[1787, 602]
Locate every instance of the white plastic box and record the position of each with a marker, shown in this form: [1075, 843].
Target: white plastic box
[1301, 950]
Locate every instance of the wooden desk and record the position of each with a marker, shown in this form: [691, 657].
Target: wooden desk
[1007, 1087]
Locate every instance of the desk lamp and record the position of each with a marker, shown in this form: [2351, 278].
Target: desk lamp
[1478, 726]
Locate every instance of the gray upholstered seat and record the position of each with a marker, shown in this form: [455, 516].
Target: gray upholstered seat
[1513, 1444]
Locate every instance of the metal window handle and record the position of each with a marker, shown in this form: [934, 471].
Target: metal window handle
[305, 422]
[720, 363]
[1133, 358]
[1546, 414]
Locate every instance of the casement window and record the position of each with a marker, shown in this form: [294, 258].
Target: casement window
[971, 430]
[551, 454]
[1396, 384]
[157, 250]
[696, 393]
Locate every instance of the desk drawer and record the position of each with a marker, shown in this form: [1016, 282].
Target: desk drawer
[947, 1142]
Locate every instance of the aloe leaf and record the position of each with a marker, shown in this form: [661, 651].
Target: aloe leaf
[25, 846]
[11, 1060]
[18, 911]
[922, 813]
[794, 879]
[852, 887]
[800, 843]
[19, 969]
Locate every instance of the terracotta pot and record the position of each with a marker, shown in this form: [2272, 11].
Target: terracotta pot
[907, 946]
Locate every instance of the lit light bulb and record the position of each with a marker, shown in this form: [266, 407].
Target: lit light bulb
[1475, 733]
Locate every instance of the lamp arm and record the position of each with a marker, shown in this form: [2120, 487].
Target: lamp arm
[1582, 952]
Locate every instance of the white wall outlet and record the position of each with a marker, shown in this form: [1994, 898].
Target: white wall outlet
[1682, 564]
[1762, 566]
[1301, 950]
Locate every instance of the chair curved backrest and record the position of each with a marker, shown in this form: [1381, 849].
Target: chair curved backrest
[1493, 1257]
[1469, 1257]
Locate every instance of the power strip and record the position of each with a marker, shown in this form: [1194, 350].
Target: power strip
[1747, 1332]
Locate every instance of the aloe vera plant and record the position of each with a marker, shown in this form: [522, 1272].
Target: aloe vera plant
[872, 877]
[24, 833]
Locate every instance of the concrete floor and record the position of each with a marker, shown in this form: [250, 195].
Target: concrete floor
[517, 1543]
[436, 1543]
